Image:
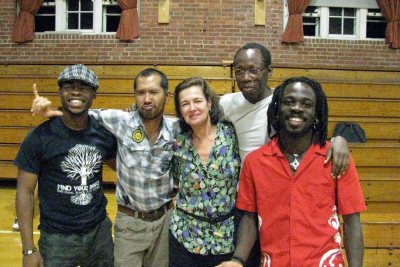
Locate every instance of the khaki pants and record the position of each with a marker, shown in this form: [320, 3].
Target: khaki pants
[141, 243]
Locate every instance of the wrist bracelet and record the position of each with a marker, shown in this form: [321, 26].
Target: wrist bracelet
[239, 259]
[29, 251]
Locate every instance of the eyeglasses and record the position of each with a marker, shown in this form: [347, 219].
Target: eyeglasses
[79, 87]
[251, 72]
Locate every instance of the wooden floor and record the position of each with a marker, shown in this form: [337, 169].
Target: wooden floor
[10, 243]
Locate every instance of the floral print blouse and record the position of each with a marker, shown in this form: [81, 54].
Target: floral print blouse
[207, 191]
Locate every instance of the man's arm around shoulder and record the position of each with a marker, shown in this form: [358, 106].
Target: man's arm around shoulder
[109, 118]
[26, 183]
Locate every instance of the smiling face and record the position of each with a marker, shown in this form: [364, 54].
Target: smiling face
[76, 97]
[150, 97]
[194, 106]
[252, 75]
[297, 110]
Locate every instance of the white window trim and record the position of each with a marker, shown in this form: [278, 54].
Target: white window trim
[61, 19]
[345, 3]
[361, 18]
[103, 18]
[325, 25]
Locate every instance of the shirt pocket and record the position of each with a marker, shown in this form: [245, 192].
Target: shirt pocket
[321, 194]
[161, 158]
[132, 154]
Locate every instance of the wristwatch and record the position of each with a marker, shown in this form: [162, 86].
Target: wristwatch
[29, 251]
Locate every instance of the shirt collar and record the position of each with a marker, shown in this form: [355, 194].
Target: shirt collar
[167, 128]
[273, 148]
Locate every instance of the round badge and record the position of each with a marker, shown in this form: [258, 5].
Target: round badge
[137, 135]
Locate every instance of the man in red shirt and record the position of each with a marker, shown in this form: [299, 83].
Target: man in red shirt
[288, 185]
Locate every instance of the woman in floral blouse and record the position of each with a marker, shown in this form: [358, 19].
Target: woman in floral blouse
[206, 166]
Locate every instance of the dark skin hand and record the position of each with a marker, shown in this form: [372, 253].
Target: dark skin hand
[353, 239]
[339, 153]
[26, 184]
[247, 235]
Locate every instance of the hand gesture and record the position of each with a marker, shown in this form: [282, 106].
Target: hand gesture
[41, 106]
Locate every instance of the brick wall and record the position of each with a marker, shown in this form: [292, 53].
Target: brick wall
[199, 32]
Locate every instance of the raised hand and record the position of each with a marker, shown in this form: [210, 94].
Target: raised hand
[41, 106]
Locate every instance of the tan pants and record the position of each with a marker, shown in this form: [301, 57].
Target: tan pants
[139, 243]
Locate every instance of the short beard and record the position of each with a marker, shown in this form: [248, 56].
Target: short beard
[149, 115]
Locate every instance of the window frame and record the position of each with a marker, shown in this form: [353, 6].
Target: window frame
[61, 22]
[47, 4]
[324, 5]
[325, 24]
[104, 14]
[79, 14]
[317, 17]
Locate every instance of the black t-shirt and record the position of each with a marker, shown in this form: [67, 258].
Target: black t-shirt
[69, 168]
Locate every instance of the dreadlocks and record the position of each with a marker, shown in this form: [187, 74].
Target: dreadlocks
[320, 129]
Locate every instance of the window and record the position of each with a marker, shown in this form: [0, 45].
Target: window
[111, 16]
[343, 19]
[79, 14]
[88, 16]
[45, 19]
[376, 24]
[311, 21]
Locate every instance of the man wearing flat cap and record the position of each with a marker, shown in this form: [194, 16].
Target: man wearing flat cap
[64, 156]
[145, 187]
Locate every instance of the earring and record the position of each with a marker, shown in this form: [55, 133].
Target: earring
[315, 124]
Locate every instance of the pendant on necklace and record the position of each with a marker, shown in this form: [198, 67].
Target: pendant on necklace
[295, 163]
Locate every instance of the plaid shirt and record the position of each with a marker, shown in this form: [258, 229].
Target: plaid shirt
[144, 181]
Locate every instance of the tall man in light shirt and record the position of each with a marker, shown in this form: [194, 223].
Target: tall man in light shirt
[247, 110]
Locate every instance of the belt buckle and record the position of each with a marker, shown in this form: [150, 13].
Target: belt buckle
[152, 215]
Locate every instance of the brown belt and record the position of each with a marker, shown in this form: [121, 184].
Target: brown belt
[146, 216]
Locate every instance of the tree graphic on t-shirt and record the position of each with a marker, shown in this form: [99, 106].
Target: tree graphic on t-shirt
[82, 162]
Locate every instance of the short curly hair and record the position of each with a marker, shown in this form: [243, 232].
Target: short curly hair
[266, 55]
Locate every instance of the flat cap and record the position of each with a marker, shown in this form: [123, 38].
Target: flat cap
[78, 72]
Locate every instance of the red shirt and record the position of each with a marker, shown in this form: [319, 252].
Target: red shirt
[297, 215]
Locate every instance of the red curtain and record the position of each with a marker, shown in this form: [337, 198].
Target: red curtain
[128, 28]
[294, 27]
[391, 11]
[25, 23]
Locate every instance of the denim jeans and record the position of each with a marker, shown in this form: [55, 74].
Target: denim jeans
[92, 249]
